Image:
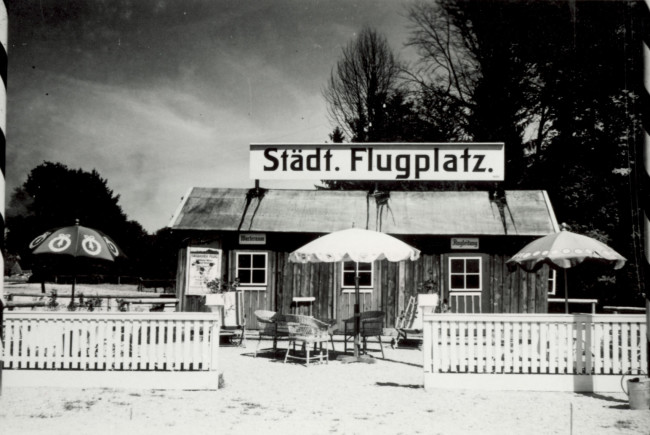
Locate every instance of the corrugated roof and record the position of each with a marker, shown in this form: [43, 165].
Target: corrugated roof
[526, 213]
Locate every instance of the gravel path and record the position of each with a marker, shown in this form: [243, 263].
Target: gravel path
[263, 395]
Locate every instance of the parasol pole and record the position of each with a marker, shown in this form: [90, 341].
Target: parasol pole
[357, 315]
[566, 294]
[74, 266]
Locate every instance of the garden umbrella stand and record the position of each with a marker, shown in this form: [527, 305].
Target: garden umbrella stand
[564, 250]
[360, 246]
[76, 241]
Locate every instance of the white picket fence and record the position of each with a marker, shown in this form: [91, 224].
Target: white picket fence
[574, 352]
[142, 342]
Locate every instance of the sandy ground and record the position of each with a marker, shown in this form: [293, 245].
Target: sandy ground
[263, 395]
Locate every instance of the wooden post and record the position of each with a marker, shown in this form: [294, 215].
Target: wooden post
[4, 30]
[645, 187]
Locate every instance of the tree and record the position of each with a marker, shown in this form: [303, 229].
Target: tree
[360, 85]
[551, 80]
[55, 196]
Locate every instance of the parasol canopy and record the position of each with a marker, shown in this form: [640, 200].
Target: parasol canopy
[564, 250]
[360, 246]
[354, 244]
[76, 241]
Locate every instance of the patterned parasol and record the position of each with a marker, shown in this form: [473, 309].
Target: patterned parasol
[76, 241]
[564, 250]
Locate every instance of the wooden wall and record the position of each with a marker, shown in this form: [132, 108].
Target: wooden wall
[394, 283]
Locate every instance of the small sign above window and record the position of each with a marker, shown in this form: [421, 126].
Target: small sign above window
[464, 243]
[252, 239]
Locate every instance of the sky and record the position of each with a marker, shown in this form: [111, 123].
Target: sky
[160, 96]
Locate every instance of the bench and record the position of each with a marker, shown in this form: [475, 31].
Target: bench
[156, 284]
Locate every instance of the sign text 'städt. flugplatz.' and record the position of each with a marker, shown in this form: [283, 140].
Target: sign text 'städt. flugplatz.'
[374, 161]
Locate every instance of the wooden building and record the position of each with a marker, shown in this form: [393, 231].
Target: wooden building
[465, 238]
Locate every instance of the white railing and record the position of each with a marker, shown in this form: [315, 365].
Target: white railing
[535, 343]
[465, 302]
[111, 341]
[592, 302]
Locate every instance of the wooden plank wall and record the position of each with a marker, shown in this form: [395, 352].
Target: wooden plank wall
[394, 283]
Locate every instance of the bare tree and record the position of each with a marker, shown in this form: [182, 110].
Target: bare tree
[447, 50]
[360, 85]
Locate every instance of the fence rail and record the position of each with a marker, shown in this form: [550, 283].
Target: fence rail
[111, 341]
[584, 344]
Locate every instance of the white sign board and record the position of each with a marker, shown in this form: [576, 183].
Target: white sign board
[378, 161]
[252, 239]
[204, 265]
[464, 243]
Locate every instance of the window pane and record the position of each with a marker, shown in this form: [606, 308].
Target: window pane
[259, 276]
[472, 265]
[457, 282]
[473, 282]
[348, 266]
[244, 276]
[457, 265]
[364, 279]
[259, 261]
[365, 266]
[348, 279]
[244, 260]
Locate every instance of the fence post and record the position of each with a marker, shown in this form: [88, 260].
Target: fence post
[645, 177]
[214, 344]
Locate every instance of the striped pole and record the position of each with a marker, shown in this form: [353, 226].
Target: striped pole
[645, 187]
[4, 31]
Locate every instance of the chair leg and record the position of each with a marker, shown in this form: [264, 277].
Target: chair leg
[259, 342]
[332, 341]
[307, 350]
[286, 355]
[381, 346]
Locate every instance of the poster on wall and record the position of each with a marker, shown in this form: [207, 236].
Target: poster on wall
[204, 266]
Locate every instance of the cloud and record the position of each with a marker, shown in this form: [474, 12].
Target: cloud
[161, 96]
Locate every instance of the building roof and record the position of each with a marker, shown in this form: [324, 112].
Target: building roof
[527, 213]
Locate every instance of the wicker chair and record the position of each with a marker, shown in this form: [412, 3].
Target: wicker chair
[306, 330]
[371, 324]
[269, 328]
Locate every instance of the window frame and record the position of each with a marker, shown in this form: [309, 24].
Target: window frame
[347, 288]
[479, 273]
[552, 282]
[252, 286]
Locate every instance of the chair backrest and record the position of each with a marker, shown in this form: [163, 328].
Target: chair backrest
[415, 309]
[372, 323]
[371, 315]
[265, 322]
[233, 309]
[406, 319]
[303, 325]
[264, 316]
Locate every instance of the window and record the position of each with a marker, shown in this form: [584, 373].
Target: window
[252, 268]
[552, 281]
[465, 274]
[365, 275]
